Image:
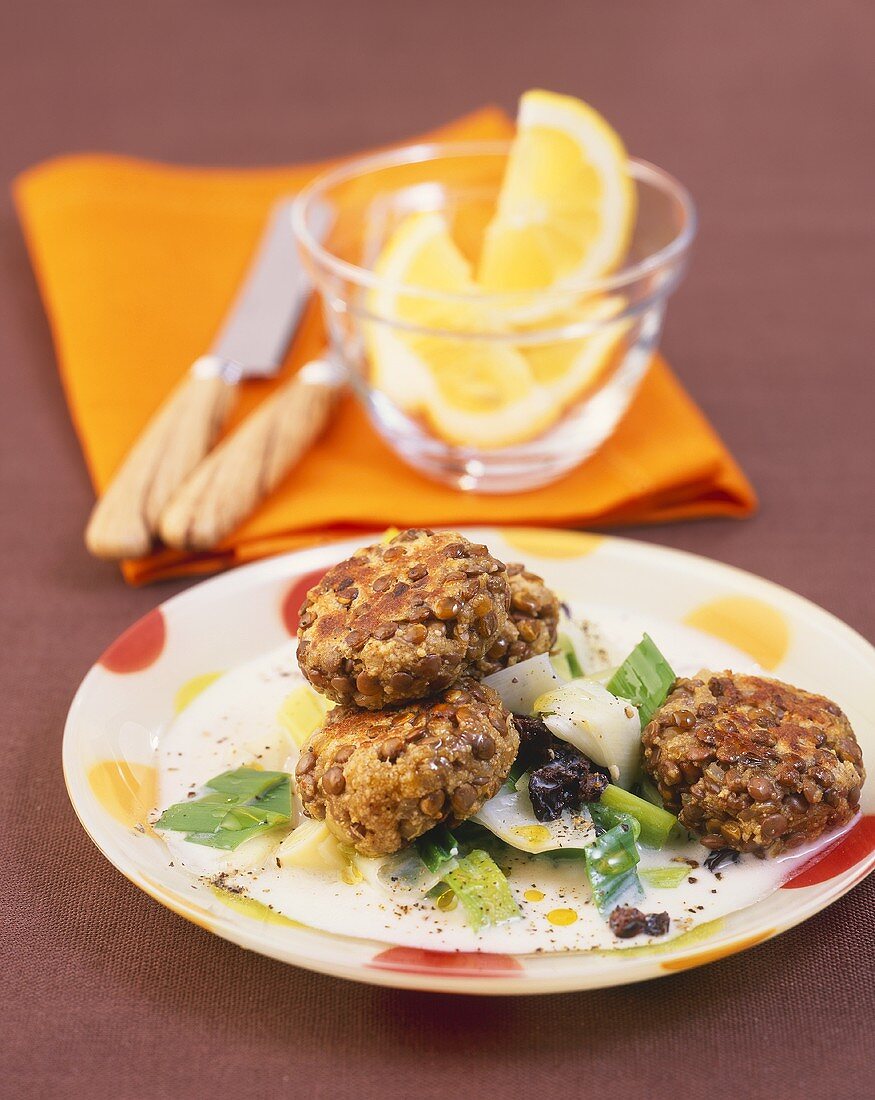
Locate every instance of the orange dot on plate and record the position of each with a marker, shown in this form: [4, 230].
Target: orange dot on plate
[548, 543]
[139, 647]
[127, 791]
[562, 916]
[746, 623]
[715, 953]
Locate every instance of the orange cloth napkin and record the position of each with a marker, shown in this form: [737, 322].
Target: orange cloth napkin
[137, 263]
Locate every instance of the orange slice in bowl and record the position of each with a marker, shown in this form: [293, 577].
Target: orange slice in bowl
[473, 368]
[567, 204]
[570, 367]
[444, 358]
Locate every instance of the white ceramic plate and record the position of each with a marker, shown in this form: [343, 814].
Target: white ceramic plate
[163, 660]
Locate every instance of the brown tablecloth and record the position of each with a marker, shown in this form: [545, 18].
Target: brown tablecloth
[765, 111]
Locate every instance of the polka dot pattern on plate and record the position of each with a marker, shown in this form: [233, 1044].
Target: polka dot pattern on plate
[294, 598]
[853, 847]
[747, 623]
[417, 960]
[139, 647]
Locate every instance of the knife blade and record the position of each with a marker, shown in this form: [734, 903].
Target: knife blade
[251, 342]
[266, 311]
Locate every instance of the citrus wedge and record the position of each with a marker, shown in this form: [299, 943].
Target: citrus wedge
[473, 390]
[571, 367]
[567, 204]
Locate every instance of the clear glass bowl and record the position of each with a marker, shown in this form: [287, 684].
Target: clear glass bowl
[587, 344]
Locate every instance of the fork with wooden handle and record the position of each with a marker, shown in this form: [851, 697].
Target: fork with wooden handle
[249, 464]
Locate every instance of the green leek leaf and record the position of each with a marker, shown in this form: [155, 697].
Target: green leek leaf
[610, 863]
[609, 891]
[244, 784]
[240, 804]
[229, 839]
[606, 817]
[567, 650]
[198, 816]
[436, 847]
[666, 877]
[657, 824]
[614, 852]
[644, 678]
[482, 890]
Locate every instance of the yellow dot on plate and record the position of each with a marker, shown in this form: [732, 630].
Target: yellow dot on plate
[552, 544]
[534, 895]
[192, 688]
[747, 623]
[249, 907]
[126, 791]
[562, 916]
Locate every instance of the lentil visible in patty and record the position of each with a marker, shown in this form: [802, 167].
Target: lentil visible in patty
[753, 764]
[379, 780]
[531, 622]
[402, 620]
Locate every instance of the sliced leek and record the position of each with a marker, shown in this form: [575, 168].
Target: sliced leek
[606, 729]
[482, 890]
[645, 678]
[520, 685]
[509, 815]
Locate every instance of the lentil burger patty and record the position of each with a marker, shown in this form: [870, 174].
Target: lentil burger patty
[379, 780]
[531, 624]
[402, 620]
[753, 764]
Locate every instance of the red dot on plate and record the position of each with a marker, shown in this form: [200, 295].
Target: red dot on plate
[416, 960]
[140, 645]
[853, 847]
[294, 598]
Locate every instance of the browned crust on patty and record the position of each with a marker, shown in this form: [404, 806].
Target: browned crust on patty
[400, 621]
[753, 764]
[531, 625]
[379, 780]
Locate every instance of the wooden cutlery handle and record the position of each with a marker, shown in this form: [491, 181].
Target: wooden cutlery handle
[251, 462]
[124, 520]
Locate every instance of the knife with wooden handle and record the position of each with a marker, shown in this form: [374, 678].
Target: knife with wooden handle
[251, 343]
[252, 461]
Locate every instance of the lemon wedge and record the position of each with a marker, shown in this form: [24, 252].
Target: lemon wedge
[425, 356]
[567, 204]
[473, 368]
[571, 367]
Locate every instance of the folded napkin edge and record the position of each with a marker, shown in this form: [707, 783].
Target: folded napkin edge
[101, 159]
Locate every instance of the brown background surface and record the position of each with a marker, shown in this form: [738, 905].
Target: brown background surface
[765, 111]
